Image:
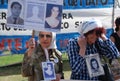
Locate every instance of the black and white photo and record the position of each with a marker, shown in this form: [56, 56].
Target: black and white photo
[14, 13]
[48, 70]
[94, 65]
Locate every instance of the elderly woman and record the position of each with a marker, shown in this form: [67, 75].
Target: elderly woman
[92, 41]
[35, 55]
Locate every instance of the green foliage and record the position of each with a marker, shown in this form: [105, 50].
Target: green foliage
[13, 73]
[10, 59]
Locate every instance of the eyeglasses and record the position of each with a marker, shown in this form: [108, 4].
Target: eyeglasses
[47, 36]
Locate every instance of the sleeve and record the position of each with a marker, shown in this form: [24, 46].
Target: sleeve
[27, 68]
[77, 62]
[108, 49]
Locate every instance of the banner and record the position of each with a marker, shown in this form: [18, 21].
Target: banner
[74, 13]
[35, 14]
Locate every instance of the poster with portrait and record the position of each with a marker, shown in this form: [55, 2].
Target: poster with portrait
[48, 71]
[15, 13]
[45, 15]
[94, 65]
[53, 17]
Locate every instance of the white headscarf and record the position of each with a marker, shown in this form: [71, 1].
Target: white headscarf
[89, 25]
[53, 42]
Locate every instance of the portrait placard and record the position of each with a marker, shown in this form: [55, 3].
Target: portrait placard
[44, 15]
[15, 16]
[48, 71]
[94, 65]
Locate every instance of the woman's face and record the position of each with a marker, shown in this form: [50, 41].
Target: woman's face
[55, 11]
[45, 39]
[49, 67]
[95, 64]
[91, 38]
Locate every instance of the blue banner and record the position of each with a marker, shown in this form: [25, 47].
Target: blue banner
[19, 44]
[3, 4]
[75, 4]
[85, 4]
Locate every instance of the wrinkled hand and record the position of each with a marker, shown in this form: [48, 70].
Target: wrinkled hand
[31, 46]
[82, 43]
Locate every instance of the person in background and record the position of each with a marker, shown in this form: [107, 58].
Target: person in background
[115, 37]
[35, 55]
[92, 34]
[15, 18]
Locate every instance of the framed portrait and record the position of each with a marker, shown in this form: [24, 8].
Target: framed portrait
[94, 65]
[53, 17]
[15, 16]
[48, 70]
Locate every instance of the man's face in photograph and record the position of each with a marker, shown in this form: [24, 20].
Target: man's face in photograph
[16, 10]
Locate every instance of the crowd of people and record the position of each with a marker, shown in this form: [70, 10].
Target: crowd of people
[92, 34]
[43, 61]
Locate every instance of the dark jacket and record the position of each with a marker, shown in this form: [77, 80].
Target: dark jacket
[32, 66]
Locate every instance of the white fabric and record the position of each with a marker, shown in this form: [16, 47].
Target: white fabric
[46, 54]
[53, 42]
[89, 25]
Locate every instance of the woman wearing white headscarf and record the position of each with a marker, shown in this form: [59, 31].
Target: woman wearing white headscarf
[91, 41]
[36, 54]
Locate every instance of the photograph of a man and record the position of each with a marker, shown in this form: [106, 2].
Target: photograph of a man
[14, 18]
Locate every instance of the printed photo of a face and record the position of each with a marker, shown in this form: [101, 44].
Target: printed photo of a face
[15, 9]
[94, 65]
[48, 70]
[53, 16]
[35, 12]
